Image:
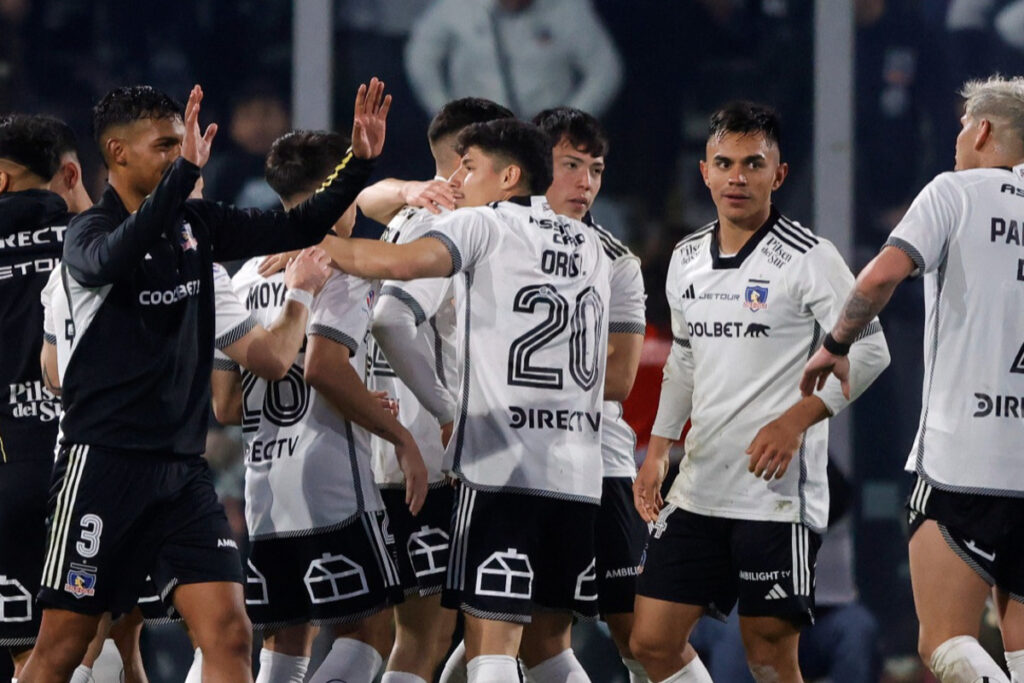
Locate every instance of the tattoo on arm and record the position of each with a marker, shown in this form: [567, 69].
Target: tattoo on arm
[53, 388]
[858, 311]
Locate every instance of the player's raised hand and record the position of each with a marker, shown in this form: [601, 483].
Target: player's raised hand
[411, 463]
[431, 195]
[308, 271]
[195, 146]
[369, 121]
[819, 367]
[647, 485]
[773, 447]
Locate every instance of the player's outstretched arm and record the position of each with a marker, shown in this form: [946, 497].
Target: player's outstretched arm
[374, 259]
[870, 294]
[624, 349]
[384, 199]
[329, 371]
[269, 353]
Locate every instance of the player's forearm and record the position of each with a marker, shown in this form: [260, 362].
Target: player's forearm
[808, 411]
[869, 356]
[48, 368]
[226, 391]
[676, 399]
[374, 259]
[408, 356]
[871, 293]
[273, 352]
[382, 200]
[347, 394]
[623, 362]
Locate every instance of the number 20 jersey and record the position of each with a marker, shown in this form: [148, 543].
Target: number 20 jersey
[532, 293]
[306, 467]
[963, 232]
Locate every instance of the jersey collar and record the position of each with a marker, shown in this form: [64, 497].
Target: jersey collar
[719, 262]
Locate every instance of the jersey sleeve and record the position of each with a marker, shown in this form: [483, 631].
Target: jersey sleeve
[928, 224]
[340, 311]
[45, 298]
[822, 286]
[627, 306]
[469, 235]
[676, 399]
[232, 320]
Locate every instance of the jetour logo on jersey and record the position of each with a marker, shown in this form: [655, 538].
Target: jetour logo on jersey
[188, 240]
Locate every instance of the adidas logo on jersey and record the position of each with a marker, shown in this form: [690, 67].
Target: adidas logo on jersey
[689, 293]
[776, 593]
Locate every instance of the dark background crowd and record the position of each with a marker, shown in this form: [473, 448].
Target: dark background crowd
[652, 70]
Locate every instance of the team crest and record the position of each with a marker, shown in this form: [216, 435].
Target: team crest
[755, 298]
[81, 581]
[188, 240]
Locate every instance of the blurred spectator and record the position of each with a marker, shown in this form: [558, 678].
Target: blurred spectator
[985, 36]
[235, 172]
[526, 54]
[12, 15]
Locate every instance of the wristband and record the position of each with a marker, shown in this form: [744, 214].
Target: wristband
[300, 295]
[834, 347]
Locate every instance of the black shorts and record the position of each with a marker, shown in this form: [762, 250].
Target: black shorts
[421, 541]
[338, 576]
[712, 562]
[514, 553]
[987, 532]
[115, 517]
[23, 490]
[619, 538]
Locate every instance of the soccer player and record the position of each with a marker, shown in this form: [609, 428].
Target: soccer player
[532, 306]
[578, 155]
[33, 220]
[963, 234]
[413, 354]
[749, 295]
[130, 490]
[321, 552]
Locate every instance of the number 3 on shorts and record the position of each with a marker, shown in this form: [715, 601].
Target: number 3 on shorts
[92, 527]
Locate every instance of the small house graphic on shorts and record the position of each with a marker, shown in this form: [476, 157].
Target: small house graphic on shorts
[428, 551]
[255, 586]
[505, 574]
[334, 577]
[15, 601]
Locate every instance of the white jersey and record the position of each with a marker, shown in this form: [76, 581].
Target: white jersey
[431, 303]
[232, 320]
[743, 328]
[58, 326]
[306, 467]
[626, 315]
[964, 234]
[533, 322]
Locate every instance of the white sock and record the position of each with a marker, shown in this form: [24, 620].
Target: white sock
[1015, 663]
[492, 669]
[455, 668]
[562, 668]
[636, 671]
[195, 672]
[349, 660]
[401, 677]
[279, 668]
[963, 660]
[694, 672]
[82, 674]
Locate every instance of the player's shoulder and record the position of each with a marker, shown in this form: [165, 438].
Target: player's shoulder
[613, 247]
[247, 276]
[701, 235]
[793, 236]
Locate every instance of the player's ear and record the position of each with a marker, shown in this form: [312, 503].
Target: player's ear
[704, 172]
[115, 152]
[511, 176]
[984, 132]
[780, 175]
[67, 176]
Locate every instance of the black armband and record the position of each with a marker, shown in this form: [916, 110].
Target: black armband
[834, 347]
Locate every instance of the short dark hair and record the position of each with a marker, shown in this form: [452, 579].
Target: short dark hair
[745, 117]
[299, 161]
[582, 130]
[521, 143]
[457, 114]
[132, 103]
[34, 141]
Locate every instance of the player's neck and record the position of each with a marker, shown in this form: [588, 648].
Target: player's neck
[732, 235]
[131, 198]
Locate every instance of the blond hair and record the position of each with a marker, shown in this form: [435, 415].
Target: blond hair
[998, 97]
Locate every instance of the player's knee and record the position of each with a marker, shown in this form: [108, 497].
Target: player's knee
[621, 631]
[649, 647]
[767, 655]
[231, 637]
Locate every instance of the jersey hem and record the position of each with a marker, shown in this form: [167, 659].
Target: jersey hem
[966, 490]
[749, 517]
[540, 493]
[299, 533]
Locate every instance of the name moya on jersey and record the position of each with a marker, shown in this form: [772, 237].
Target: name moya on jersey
[265, 295]
[563, 420]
